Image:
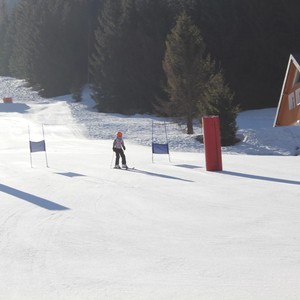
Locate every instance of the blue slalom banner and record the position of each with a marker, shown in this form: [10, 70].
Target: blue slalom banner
[160, 148]
[37, 146]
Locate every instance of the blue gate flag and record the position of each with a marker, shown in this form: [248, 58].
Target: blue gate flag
[37, 146]
[160, 148]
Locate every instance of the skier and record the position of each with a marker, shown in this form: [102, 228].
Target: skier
[118, 147]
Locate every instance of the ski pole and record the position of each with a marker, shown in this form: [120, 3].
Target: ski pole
[112, 159]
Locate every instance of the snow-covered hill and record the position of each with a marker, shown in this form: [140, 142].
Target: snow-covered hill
[81, 230]
[258, 137]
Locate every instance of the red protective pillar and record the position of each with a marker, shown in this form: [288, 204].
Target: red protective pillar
[7, 100]
[212, 143]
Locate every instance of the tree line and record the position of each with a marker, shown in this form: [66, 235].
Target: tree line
[124, 50]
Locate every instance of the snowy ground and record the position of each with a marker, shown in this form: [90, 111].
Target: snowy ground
[81, 230]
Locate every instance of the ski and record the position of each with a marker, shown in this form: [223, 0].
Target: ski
[126, 169]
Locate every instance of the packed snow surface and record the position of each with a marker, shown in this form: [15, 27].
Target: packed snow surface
[79, 229]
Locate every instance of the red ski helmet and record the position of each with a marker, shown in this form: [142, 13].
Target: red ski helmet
[119, 134]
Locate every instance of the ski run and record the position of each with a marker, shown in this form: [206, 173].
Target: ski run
[78, 229]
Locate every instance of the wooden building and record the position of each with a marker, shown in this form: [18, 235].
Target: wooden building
[288, 110]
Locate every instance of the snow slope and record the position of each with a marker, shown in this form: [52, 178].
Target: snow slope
[81, 230]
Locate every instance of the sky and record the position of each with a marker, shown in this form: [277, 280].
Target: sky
[79, 229]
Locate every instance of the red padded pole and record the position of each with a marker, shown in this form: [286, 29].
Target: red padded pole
[212, 143]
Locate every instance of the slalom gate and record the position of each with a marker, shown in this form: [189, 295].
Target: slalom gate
[158, 145]
[37, 146]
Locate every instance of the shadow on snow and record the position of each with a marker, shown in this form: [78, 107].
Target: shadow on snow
[160, 175]
[70, 174]
[31, 198]
[279, 180]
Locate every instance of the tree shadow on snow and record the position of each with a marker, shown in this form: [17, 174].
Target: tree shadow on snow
[31, 198]
[279, 180]
[70, 174]
[14, 107]
[161, 175]
[188, 166]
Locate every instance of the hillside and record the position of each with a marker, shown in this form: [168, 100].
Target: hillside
[81, 230]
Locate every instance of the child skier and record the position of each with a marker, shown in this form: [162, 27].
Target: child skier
[118, 147]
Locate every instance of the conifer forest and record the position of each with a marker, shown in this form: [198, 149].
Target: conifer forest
[145, 56]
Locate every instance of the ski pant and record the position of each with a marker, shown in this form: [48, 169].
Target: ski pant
[120, 152]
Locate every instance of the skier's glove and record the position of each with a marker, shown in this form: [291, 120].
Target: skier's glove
[124, 148]
[114, 149]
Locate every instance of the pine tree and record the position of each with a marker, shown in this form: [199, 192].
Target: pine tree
[156, 19]
[126, 65]
[4, 24]
[104, 67]
[219, 101]
[187, 70]
[113, 64]
[50, 46]
[24, 31]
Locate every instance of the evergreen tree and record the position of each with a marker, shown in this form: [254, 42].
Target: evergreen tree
[187, 70]
[8, 43]
[219, 101]
[112, 63]
[76, 91]
[4, 23]
[48, 43]
[24, 31]
[65, 32]
[126, 65]
[252, 40]
[50, 47]
[155, 23]
[104, 67]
